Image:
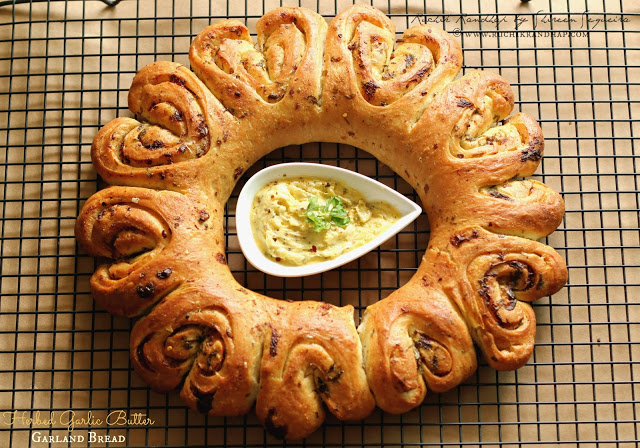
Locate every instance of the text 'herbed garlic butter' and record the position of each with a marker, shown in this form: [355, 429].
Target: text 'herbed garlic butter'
[306, 220]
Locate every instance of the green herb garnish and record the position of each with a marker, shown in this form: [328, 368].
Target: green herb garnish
[322, 216]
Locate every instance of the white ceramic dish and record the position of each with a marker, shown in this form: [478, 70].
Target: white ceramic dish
[370, 189]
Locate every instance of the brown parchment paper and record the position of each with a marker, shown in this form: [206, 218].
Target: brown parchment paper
[65, 68]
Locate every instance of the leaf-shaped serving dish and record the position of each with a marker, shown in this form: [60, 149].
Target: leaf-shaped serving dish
[372, 190]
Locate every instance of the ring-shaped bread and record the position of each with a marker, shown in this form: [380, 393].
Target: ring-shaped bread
[226, 347]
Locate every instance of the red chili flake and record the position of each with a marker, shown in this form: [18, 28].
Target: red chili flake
[313, 249]
[204, 215]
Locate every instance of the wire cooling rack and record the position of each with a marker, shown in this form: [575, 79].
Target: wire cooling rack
[65, 68]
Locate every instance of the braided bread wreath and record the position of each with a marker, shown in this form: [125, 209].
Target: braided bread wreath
[227, 347]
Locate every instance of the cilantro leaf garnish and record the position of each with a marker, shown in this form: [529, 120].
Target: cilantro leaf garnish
[322, 216]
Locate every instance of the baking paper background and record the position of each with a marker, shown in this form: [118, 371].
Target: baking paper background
[65, 70]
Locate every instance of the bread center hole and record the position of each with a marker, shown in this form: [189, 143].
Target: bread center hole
[359, 283]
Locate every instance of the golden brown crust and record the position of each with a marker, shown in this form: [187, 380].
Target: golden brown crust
[415, 340]
[314, 355]
[149, 236]
[226, 347]
[184, 122]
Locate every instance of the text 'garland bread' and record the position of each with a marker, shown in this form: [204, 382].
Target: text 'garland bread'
[161, 223]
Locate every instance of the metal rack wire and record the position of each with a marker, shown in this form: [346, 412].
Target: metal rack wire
[65, 68]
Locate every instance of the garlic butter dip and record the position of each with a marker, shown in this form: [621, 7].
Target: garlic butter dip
[284, 232]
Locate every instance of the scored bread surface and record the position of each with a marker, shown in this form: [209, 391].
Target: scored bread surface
[161, 221]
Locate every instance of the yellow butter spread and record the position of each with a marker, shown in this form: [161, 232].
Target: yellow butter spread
[284, 233]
